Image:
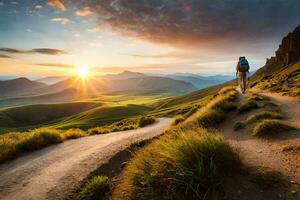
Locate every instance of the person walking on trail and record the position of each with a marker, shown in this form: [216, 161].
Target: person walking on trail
[242, 69]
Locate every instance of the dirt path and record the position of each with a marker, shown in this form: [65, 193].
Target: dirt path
[58, 169]
[268, 153]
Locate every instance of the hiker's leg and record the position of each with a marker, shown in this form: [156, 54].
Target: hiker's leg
[240, 81]
[244, 82]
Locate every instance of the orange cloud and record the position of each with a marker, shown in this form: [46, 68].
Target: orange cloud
[84, 11]
[56, 4]
[94, 30]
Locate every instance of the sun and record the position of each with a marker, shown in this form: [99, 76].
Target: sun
[83, 71]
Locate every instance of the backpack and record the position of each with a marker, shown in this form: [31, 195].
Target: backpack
[244, 65]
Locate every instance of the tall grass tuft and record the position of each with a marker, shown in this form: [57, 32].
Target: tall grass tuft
[15, 143]
[74, 133]
[215, 112]
[189, 165]
[95, 189]
[263, 115]
[270, 127]
[39, 139]
[247, 106]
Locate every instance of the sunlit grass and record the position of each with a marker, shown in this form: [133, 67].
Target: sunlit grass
[268, 128]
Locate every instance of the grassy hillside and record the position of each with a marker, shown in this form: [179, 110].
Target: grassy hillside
[192, 160]
[278, 77]
[100, 116]
[39, 114]
[65, 95]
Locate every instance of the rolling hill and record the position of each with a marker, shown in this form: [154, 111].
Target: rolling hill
[18, 86]
[63, 96]
[40, 113]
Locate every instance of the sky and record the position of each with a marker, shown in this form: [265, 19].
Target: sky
[54, 37]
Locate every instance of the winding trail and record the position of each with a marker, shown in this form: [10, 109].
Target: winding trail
[268, 153]
[56, 170]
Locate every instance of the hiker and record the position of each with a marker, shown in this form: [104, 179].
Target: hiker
[242, 69]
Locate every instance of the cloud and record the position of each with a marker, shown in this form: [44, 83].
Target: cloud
[62, 21]
[54, 65]
[38, 7]
[85, 11]
[47, 51]
[94, 30]
[56, 4]
[10, 50]
[4, 56]
[200, 24]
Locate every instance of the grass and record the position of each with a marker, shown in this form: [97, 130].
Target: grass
[187, 162]
[179, 119]
[139, 144]
[145, 121]
[282, 79]
[270, 127]
[15, 143]
[239, 125]
[95, 189]
[247, 106]
[123, 125]
[186, 165]
[263, 115]
[215, 111]
[99, 116]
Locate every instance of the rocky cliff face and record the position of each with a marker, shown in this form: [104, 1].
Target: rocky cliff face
[289, 49]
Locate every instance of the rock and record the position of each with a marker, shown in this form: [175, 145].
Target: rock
[289, 49]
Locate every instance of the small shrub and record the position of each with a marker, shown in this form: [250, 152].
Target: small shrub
[270, 127]
[39, 139]
[94, 189]
[247, 106]
[239, 125]
[211, 117]
[145, 121]
[138, 144]
[98, 131]
[178, 119]
[263, 115]
[74, 133]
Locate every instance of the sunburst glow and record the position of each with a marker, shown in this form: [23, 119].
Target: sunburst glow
[82, 71]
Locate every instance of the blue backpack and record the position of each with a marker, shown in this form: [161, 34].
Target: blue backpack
[244, 65]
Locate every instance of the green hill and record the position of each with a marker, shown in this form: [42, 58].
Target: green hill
[40, 113]
[100, 116]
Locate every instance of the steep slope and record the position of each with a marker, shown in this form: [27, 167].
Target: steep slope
[17, 86]
[282, 72]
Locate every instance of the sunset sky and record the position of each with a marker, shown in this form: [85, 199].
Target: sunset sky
[46, 38]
